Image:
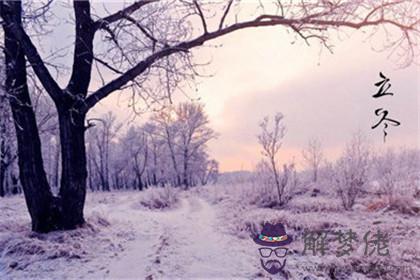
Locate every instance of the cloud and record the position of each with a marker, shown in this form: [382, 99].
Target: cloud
[329, 101]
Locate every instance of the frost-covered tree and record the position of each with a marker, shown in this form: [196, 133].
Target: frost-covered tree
[135, 144]
[193, 131]
[8, 153]
[156, 148]
[207, 171]
[166, 131]
[352, 170]
[100, 138]
[313, 157]
[185, 131]
[270, 139]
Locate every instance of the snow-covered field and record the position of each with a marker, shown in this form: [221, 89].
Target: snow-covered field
[205, 234]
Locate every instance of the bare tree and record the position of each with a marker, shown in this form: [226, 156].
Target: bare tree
[145, 51]
[8, 152]
[194, 132]
[352, 170]
[101, 140]
[136, 147]
[209, 171]
[185, 131]
[155, 147]
[266, 182]
[270, 140]
[164, 121]
[313, 157]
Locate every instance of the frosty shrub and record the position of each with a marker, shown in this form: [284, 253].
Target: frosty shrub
[267, 193]
[264, 187]
[404, 204]
[160, 198]
[396, 173]
[395, 178]
[351, 170]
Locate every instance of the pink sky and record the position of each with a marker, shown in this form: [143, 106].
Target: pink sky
[327, 96]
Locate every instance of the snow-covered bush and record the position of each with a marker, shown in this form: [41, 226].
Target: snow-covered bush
[263, 188]
[400, 203]
[351, 171]
[397, 173]
[159, 198]
[404, 204]
[267, 193]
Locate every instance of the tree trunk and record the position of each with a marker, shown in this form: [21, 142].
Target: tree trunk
[172, 152]
[276, 179]
[139, 181]
[74, 172]
[185, 175]
[90, 170]
[43, 207]
[2, 178]
[15, 188]
[57, 165]
[3, 148]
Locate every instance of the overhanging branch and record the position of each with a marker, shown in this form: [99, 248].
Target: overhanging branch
[34, 58]
[121, 13]
[261, 21]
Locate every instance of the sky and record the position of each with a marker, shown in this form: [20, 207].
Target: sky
[258, 72]
[323, 96]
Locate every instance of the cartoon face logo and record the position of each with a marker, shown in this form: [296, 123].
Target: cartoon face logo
[273, 251]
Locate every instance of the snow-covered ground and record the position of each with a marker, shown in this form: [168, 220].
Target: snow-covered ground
[183, 243]
[124, 240]
[206, 234]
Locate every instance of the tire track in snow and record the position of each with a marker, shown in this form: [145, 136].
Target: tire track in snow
[183, 243]
[197, 248]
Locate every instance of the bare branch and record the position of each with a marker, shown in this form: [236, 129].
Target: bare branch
[225, 14]
[122, 13]
[83, 49]
[200, 13]
[142, 29]
[107, 65]
[260, 21]
[32, 55]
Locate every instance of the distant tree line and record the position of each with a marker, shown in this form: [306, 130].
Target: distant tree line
[170, 149]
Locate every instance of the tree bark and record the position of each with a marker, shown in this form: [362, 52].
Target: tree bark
[276, 178]
[185, 175]
[2, 178]
[74, 171]
[43, 207]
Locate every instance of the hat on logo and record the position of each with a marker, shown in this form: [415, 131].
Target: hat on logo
[273, 236]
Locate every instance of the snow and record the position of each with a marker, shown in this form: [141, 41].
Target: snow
[184, 243]
[203, 234]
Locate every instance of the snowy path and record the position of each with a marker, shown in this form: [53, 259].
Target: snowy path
[183, 243]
